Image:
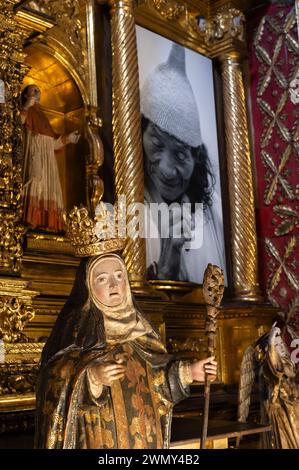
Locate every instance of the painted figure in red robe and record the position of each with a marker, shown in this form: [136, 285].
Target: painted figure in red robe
[42, 194]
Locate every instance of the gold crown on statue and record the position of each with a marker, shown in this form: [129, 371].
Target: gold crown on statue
[94, 236]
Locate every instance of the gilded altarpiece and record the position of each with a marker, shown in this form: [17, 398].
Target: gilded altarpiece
[52, 46]
[62, 37]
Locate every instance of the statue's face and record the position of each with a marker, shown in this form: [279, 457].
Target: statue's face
[33, 91]
[108, 282]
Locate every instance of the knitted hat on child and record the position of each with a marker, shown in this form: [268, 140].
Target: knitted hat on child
[168, 101]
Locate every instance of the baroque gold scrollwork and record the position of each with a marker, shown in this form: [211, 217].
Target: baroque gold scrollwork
[229, 23]
[14, 314]
[18, 379]
[15, 309]
[169, 9]
[19, 357]
[225, 24]
[12, 72]
[18, 373]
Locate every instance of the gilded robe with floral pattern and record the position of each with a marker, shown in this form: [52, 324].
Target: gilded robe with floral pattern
[134, 413]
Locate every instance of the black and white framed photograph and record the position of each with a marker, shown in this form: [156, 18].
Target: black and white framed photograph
[181, 160]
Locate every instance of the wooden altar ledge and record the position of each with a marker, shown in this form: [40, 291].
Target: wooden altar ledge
[186, 433]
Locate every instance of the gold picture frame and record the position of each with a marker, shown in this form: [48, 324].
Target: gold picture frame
[177, 98]
[216, 30]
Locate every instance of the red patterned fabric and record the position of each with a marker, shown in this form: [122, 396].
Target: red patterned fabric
[274, 63]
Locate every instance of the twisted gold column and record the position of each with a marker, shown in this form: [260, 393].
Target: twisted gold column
[127, 143]
[243, 229]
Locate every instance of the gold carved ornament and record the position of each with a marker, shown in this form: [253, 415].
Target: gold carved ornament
[213, 289]
[20, 358]
[14, 314]
[70, 27]
[168, 8]
[225, 24]
[15, 309]
[94, 236]
[12, 72]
